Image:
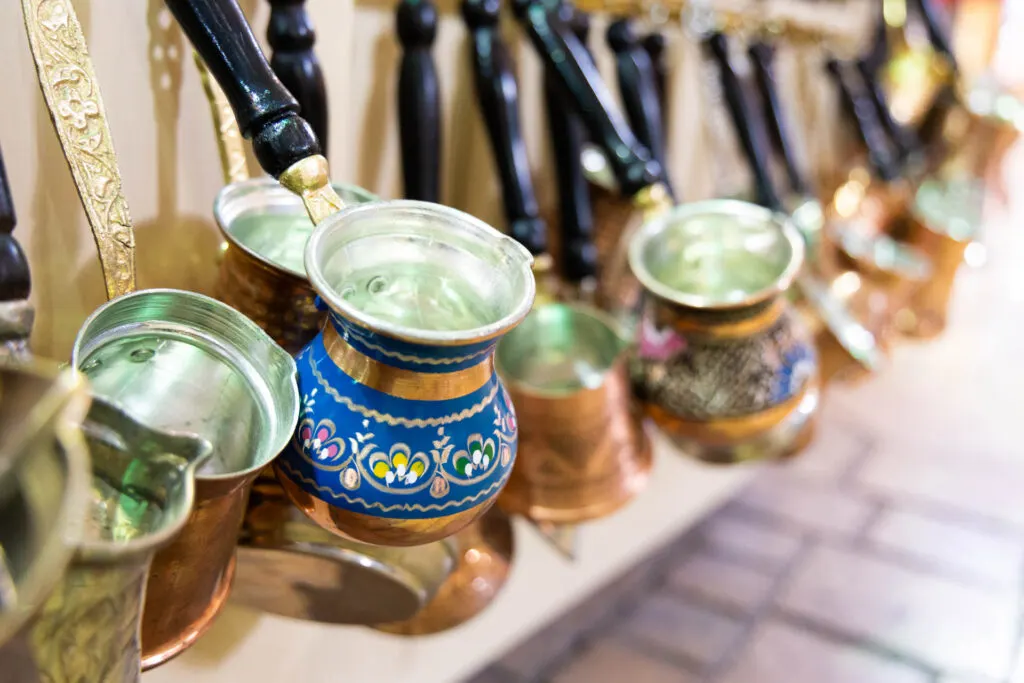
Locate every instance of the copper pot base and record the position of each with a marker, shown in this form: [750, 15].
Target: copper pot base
[548, 505]
[387, 531]
[153, 657]
[781, 440]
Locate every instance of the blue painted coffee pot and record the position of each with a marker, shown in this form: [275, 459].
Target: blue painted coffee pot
[406, 433]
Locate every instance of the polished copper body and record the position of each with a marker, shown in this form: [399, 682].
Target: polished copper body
[925, 316]
[190, 579]
[581, 456]
[485, 554]
[278, 301]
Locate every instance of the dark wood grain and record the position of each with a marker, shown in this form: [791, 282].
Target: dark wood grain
[762, 58]
[743, 121]
[860, 111]
[15, 280]
[655, 44]
[568, 135]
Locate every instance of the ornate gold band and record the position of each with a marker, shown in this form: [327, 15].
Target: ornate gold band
[401, 383]
[737, 329]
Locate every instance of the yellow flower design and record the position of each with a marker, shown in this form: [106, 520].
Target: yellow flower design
[400, 465]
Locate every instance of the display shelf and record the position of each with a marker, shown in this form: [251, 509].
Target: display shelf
[244, 645]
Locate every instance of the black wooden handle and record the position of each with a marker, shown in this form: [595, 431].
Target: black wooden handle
[576, 218]
[292, 37]
[877, 53]
[861, 110]
[937, 34]
[903, 140]
[419, 101]
[762, 58]
[498, 95]
[638, 89]
[266, 112]
[15, 281]
[562, 51]
[743, 122]
[654, 44]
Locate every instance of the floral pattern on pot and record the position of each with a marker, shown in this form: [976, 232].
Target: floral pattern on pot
[369, 452]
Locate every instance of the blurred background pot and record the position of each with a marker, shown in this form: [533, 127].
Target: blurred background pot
[723, 366]
[583, 452]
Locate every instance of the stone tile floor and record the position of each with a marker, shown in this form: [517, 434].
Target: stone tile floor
[891, 551]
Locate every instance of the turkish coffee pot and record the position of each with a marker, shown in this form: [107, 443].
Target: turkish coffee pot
[417, 296]
[171, 360]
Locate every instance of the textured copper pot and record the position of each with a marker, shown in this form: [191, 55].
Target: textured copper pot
[944, 221]
[582, 450]
[484, 558]
[723, 365]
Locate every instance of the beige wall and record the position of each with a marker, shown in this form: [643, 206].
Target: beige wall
[162, 132]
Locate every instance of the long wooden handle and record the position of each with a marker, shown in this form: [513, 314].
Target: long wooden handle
[762, 57]
[419, 101]
[654, 44]
[68, 82]
[562, 51]
[498, 95]
[903, 140]
[292, 37]
[568, 135]
[638, 89]
[743, 122]
[284, 143]
[861, 111]
[938, 34]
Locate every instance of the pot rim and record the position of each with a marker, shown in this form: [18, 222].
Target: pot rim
[286, 398]
[230, 204]
[513, 382]
[469, 226]
[722, 207]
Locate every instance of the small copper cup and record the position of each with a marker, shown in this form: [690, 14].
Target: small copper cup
[944, 221]
[582, 450]
[262, 273]
[874, 276]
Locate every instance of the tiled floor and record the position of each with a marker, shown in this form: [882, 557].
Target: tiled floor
[892, 551]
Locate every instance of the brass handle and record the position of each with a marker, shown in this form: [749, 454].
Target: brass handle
[72, 94]
[233, 163]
